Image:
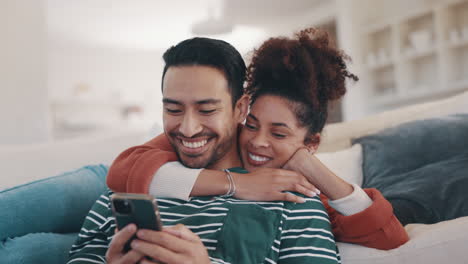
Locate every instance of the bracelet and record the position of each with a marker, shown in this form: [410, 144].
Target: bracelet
[232, 185]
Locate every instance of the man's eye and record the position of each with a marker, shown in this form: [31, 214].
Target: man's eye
[207, 111]
[173, 111]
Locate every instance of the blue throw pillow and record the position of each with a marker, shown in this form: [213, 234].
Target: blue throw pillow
[421, 167]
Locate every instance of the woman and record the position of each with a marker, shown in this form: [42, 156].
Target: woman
[290, 82]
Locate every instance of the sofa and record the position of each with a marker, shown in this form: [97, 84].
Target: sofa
[26, 172]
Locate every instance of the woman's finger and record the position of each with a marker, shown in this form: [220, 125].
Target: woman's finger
[301, 189]
[289, 197]
[306, 184]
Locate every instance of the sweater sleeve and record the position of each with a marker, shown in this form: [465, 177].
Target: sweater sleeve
[375, 227]
[133, 170]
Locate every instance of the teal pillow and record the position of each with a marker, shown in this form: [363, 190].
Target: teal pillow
[421, 167]
[50, 248]
[58, 204]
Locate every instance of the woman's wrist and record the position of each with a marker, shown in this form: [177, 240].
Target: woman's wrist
[318, 174]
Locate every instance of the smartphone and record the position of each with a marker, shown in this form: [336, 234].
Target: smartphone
[139, 209]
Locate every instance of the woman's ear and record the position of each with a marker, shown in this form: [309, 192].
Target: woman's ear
[242, 108]
[312, 142]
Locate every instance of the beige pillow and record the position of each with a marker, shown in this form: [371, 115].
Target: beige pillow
[347, 164]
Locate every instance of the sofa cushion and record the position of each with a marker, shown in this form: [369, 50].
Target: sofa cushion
[338, 136]
[50, 248]
[347, 163]
[57, 204]
[444, 242]
[420, 167]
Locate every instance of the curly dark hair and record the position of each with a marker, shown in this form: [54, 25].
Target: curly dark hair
[307, 69]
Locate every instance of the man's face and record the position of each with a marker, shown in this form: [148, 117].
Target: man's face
[199, 120]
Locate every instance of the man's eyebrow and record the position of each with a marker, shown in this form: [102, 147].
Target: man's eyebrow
[170, 101]
[208, 101]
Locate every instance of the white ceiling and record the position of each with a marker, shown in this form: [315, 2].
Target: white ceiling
[155, 25]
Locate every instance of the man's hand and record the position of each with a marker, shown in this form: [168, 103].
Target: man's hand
[115, 254]
[174, 245]
[267, 184]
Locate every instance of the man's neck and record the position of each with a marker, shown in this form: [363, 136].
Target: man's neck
[230, 160]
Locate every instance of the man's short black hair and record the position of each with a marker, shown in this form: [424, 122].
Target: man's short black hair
[210, 52]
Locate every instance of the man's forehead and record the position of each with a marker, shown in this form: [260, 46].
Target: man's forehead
[195, 82]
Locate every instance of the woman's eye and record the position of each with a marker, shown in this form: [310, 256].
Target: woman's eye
[249, 126]
[278, 135]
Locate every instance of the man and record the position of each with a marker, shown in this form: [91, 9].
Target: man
[203, 106]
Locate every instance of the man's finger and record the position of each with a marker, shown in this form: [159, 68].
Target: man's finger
[164, 239]
[120, 238]
[183, 232]
[157, 252]
[132, 256]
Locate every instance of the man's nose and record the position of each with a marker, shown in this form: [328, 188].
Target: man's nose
[190, 125]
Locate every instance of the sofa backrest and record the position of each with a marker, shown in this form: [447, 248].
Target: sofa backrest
[20, 164]
[338, 136]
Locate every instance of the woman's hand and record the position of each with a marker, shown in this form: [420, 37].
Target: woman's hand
[318, 174]
[267, 184]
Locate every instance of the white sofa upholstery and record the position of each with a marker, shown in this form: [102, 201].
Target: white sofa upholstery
[442, 242]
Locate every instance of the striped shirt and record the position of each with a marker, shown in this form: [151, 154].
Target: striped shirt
[232, 230]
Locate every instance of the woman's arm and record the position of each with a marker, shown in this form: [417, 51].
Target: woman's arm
[133, 170]
[318, 174]
[148, 169]
[358, 216]
[375, 227]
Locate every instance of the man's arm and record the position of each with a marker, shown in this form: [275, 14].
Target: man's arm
[95, 234]
[92, 244]
[375, 227]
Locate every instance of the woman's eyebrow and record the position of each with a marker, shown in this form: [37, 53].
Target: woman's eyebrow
[252, 116]
[280, 124]
[273, 124]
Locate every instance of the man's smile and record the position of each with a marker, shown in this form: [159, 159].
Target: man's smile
[194, 146]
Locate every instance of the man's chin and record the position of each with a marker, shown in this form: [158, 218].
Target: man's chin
[193, 162]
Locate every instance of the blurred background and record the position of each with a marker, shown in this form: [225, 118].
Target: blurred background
[80, 68]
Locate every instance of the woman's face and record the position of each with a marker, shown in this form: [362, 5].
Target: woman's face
[271, 134]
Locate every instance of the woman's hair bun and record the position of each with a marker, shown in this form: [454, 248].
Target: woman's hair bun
[307, 68]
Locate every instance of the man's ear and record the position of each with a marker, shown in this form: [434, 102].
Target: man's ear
[242, 108]
[312, 142]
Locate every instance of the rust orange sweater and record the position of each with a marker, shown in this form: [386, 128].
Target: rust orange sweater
[375, 227]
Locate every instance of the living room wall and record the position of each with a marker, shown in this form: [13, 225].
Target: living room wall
[24, 111]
